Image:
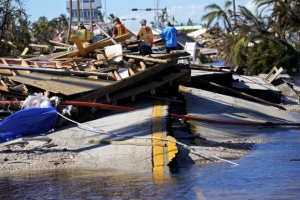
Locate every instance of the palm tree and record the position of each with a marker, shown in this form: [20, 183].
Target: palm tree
[101, 16]
[162, 16]
[111, 17]
[190, 22]
[218, 13]
[257, 47]
[44, 28]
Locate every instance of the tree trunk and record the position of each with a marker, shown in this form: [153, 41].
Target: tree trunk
[78, 12]
[70, 23]
[91, 18]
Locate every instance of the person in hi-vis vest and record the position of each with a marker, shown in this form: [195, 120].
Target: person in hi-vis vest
[119, 29]
[83, 34]
[145, 33]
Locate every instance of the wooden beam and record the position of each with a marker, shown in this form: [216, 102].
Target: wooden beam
[145, 87]
[41, 38]
[80, 48]
[147, 58]
[25, 51]
[99, 45]
[123, 83]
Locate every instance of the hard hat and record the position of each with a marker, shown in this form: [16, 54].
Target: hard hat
[81, 24]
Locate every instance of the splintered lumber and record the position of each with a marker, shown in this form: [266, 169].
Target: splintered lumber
[59, 43]
[25, 51]
[51, 56]
[47, 46]
[79, 46]
[99, 45]
[147, 58]
[124, 82]
[274, 76]
[238, 93]
[12, 45]
[41, 38]
[56, 71]
[145, 87]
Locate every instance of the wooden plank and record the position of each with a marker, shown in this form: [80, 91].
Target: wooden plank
[99, 45]
[3, 86]
[25, 51]
[124, 82]
[41, 39]
[47, 46]
[277, 72]
[12, 45]
[67, 85]
[59, 43]
[146, 87]
[5, 71]
[50, 56]
[80, 48]
[147, 58]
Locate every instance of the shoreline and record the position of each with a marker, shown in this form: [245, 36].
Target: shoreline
[55, 155]
[33, 157]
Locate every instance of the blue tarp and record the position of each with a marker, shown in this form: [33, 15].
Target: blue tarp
[26, 122]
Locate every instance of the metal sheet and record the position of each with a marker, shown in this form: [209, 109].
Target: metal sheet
[67, 85]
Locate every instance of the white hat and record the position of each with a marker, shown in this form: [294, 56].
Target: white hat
[81, 23]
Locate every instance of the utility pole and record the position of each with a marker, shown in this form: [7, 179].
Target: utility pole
[70, 22]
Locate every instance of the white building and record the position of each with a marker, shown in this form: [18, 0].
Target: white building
[84, 9]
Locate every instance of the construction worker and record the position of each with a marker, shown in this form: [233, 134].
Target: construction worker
[83, 34]
[81, 26]
[119, 29]
[145, 33]
[146, 36]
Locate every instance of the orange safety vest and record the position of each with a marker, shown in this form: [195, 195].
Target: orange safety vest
[121, 29]
[146, 34]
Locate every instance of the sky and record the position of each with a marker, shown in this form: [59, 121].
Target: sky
[182, 10]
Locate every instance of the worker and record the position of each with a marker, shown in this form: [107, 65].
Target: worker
[81, 26]
[84, 35]
[169, 36]
[119, 29]
[145, 33]
[146, 36]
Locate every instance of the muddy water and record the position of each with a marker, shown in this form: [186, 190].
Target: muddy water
[271, 171]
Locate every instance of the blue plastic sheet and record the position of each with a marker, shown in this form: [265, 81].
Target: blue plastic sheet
[26, 122]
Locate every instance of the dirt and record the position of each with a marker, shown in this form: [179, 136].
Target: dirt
[211, 152]
[33, 156]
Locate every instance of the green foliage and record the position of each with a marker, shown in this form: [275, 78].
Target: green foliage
[13, 24]
[260, 43]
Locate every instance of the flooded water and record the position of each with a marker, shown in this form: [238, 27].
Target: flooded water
[271, 171]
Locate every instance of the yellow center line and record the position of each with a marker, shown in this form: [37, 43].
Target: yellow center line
[160, 156]
[158, 152]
